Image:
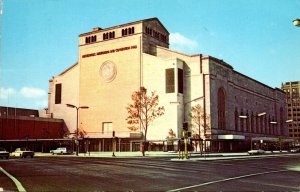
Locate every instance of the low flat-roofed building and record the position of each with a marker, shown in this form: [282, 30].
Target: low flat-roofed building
[21, 127]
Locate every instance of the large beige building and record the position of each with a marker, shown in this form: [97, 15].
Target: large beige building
[116, 61]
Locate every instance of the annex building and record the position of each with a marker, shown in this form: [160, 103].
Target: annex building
[292, 90]
[116, 61]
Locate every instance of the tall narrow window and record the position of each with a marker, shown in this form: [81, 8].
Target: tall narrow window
[180, 81]
[252, 122]
[247, 122]
[281, 132]
[58, 93]
[170, 81]
[221, 109]
[242, 121]
[236, 120]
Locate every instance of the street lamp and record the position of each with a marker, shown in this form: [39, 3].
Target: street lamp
[296, 22]
[261, 114]
[77, 109]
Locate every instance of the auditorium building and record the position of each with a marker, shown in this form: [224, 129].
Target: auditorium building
[116, 61]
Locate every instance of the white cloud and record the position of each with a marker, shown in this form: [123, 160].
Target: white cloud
[7, 92]
[30, 92]
[182, 43]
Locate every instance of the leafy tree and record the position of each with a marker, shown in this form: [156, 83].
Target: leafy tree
[199, 123]
[143, 111]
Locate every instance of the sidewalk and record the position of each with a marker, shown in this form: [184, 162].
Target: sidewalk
[194, 156]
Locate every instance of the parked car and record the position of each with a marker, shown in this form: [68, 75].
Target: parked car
[256, 152]
[61, 150]
[295, 150]
[3, 153]
[23, 152]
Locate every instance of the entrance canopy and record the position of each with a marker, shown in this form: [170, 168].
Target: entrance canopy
[231, 137]
[272, 139]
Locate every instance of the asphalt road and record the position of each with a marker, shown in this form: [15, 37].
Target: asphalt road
[60, 173]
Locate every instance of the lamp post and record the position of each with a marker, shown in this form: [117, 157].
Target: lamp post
[77, 109]
[296, 22]
[185, 125]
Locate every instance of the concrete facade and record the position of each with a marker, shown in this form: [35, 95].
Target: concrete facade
[116, 61]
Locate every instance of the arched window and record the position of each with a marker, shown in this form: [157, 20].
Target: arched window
[221, 109]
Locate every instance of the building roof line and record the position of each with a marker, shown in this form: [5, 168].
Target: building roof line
[68, 69]
[124, 25]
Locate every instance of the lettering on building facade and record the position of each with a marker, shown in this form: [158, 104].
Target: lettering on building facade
[110, 51]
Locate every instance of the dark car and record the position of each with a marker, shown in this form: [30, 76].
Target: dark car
[3, 153]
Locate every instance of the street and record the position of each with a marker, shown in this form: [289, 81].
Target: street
[62, 173]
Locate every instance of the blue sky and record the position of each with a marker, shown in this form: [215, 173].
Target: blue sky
[39, 38]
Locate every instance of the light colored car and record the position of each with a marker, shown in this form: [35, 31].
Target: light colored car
[3, 153]
[22, 152]
[61, 150]
[295, 150]
[256, 152]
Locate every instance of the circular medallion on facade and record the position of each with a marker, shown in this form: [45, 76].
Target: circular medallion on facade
[108, 71]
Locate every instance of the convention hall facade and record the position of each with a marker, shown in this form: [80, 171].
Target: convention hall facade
[116, 61]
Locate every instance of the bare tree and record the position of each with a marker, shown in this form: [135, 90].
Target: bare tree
[199, 123]
[143, 111]
[171, 134]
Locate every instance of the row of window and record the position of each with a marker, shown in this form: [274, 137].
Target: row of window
[294, 130]
[294, 90]
[156, 34]
[258, 124]
[294, 105]
[294, 135]
[170, 80]
[91, 39]
[108, 35]
[128, 31]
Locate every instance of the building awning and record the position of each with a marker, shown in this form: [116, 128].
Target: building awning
[231, 137]
[273, 139]
[264, 139]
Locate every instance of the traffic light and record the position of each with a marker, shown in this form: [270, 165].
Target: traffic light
[185, 126]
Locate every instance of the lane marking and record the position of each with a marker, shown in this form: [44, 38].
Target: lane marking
[17, 183]
[227, 179]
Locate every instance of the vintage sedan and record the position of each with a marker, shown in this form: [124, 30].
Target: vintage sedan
[295, 150]
[22, 152]
[3, 153]
[61, 150]
[256, 152]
